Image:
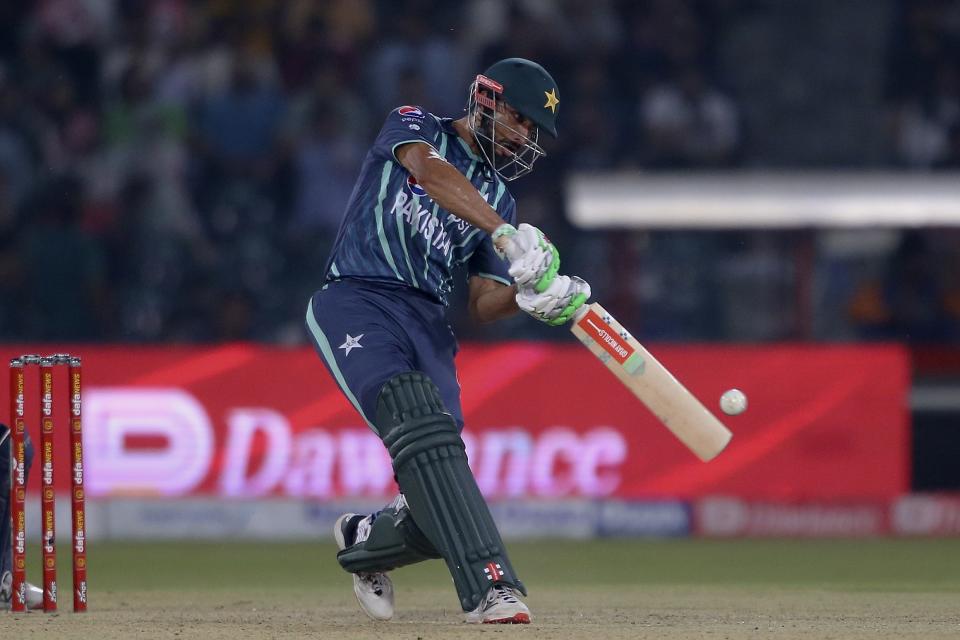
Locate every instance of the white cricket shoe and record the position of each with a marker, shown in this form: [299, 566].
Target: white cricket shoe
[501, 605]
[374, 590]
[34, 594]
[34, 597]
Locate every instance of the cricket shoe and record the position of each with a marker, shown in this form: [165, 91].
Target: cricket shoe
[501, 605]
[34, 594]
[374, 590]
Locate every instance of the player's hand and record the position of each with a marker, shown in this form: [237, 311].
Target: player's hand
[534, 261]
[558, 303]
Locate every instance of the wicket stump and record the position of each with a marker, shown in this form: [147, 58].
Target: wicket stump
[18, 486]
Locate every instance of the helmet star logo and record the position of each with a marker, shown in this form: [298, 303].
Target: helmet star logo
[552, 100]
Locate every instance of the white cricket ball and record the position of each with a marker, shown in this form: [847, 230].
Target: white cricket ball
[733, 402]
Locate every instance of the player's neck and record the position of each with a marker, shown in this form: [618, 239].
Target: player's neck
[463, 130]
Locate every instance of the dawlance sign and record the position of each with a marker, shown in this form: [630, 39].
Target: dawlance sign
[259, 453]
[542, 421]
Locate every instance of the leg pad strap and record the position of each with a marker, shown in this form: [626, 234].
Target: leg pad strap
[394, 541]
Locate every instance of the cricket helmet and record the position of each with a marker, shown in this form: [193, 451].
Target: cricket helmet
[525, 86]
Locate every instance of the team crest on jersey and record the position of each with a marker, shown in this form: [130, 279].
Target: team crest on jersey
[415, 187]
[409, 111]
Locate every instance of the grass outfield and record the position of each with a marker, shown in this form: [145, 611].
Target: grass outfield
[893, 565]
[611, 588]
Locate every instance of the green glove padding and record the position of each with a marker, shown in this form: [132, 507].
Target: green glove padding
[551, 272]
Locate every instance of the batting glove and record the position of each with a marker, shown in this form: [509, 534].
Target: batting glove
[534, 261]
[557, 304]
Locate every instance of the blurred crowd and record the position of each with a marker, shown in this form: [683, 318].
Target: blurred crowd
[174, 170]
[923, 84]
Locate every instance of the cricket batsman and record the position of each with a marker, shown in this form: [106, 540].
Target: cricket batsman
[34, 594]
[432, 195]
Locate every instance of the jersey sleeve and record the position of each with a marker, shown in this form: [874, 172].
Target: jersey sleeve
[485, 262]
[403, 126]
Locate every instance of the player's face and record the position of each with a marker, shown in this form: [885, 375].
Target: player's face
[507, 139]
[512, 130]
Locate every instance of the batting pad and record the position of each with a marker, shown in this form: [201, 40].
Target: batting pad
[430, 464]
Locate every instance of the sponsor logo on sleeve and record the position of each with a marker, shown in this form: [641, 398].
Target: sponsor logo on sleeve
[415, 187]
[410, 112]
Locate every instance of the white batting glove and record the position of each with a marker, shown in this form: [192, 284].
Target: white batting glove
[558, 303]
[534, 261]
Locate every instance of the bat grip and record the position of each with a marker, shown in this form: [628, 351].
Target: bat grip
[579, 313]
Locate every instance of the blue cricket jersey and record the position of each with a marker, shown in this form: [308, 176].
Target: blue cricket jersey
[392, 231]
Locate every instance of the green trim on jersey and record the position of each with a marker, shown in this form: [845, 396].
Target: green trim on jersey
[384, 181]
[403, 243]
[433, 214]
[394, 148]
[466, 147]
[501, 189]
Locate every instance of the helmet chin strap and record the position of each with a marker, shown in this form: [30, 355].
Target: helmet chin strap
[483, 124]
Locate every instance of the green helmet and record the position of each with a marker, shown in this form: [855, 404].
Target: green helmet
[529, 89]
[526, 87]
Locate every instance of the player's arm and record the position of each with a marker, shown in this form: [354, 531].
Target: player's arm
[446, 186]
[491, 300]
[534, 261]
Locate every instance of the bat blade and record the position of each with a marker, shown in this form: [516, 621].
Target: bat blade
[678, 409]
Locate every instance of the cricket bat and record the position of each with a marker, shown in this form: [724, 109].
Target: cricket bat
[651, 382]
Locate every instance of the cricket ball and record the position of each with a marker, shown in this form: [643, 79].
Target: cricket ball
[733, 402]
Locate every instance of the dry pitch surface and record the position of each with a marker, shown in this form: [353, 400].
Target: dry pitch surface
[604, 589]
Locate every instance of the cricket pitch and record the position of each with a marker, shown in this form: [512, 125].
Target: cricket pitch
[599, 589]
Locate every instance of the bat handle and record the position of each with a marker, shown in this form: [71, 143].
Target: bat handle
[579, 313]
